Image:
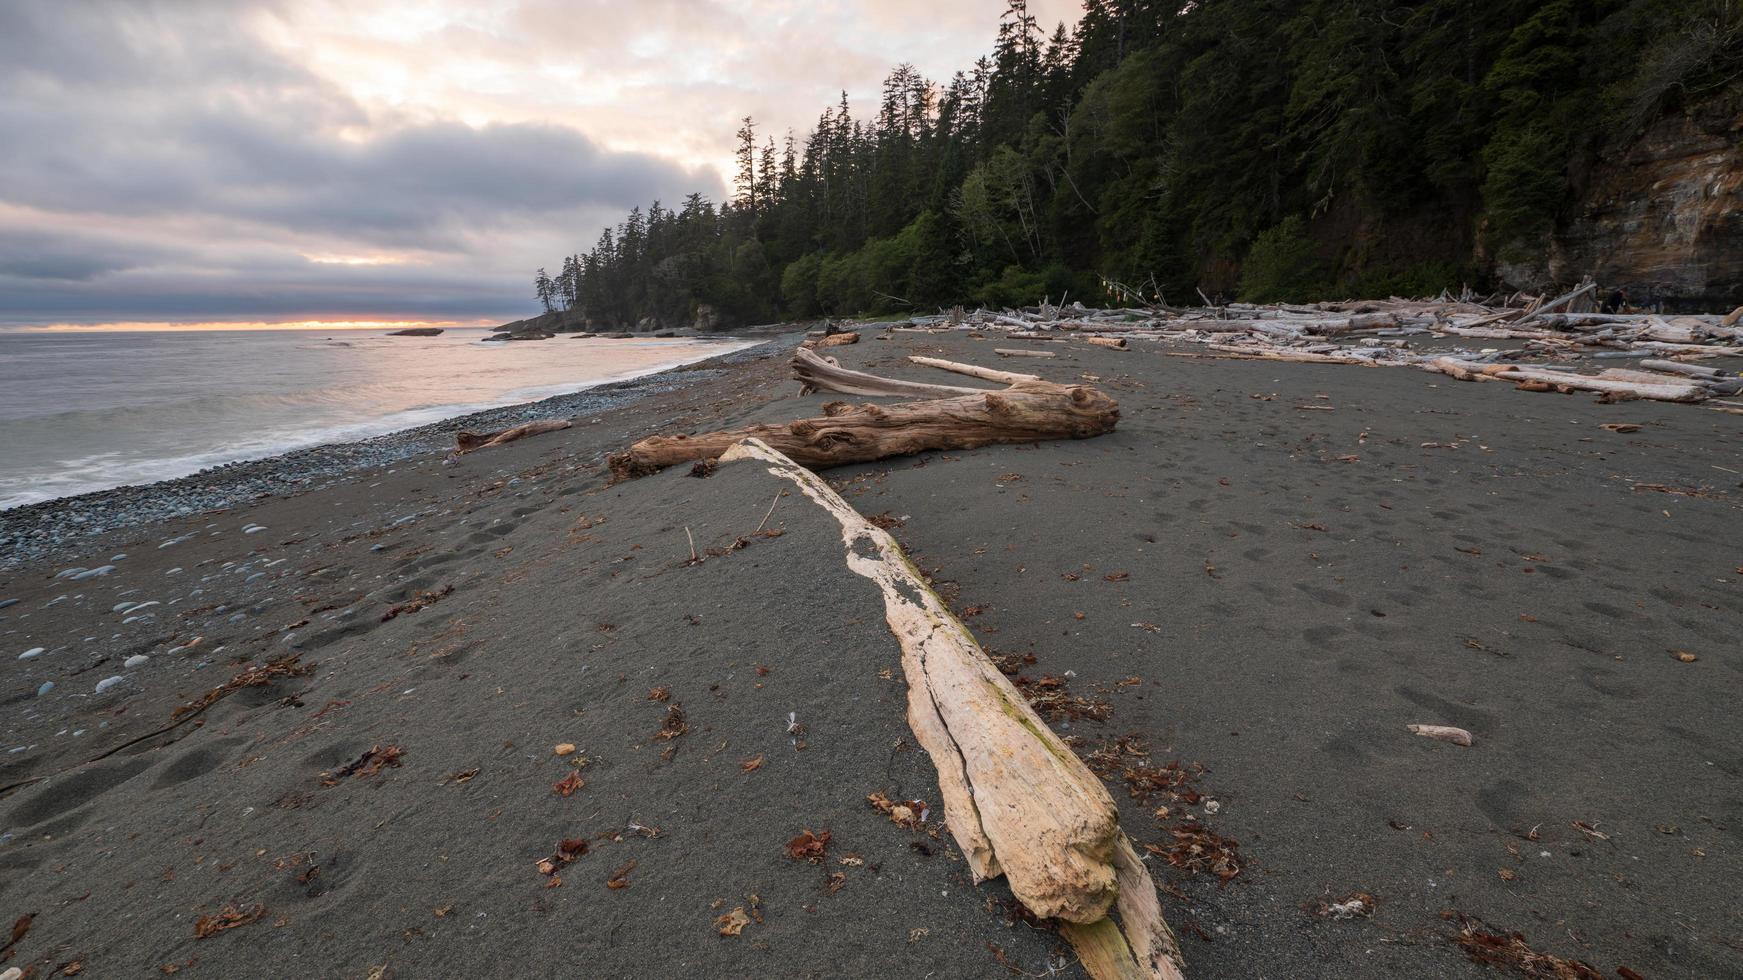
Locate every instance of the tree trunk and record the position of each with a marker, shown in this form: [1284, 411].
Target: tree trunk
[1028, 411]
[1018, 801]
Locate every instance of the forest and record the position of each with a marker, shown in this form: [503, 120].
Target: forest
[1253, 149]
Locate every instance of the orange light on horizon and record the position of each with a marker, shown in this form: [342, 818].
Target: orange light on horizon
[144, 326]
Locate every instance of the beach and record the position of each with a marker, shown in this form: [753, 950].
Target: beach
[303, 714]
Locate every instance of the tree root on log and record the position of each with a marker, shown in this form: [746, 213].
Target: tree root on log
[1015, 797]
[465, 442]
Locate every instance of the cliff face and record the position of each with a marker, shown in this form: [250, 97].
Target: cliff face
[1664, 218]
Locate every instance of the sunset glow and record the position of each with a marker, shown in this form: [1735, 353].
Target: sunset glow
[311, 162]
[252, 325]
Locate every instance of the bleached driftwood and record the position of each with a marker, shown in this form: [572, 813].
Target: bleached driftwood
[1017, 352]
[973, 370]
[817, 373]
[1444, 733]
[1015, 797]
[1668, 392]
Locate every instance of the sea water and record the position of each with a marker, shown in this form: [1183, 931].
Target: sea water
[89, 411]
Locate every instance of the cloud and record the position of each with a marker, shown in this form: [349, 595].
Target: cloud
[187, 158]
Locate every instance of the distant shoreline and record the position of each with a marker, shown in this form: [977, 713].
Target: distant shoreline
[36, 531]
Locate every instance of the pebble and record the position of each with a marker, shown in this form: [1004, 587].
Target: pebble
[109, 682]
[137, 660]
[120, 557]
[253, 529]
[31, 654]
[121, 607]
[8, 602]
[97, 572]
[46, 687]
[69, 572]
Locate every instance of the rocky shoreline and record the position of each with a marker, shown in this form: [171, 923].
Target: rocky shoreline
[39, 531]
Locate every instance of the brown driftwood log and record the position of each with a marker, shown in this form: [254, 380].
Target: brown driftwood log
[1018, 801]
[832, 340]
[1112, 343]
[465, 442]
[1028, 411]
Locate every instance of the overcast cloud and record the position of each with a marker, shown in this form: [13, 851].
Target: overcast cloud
[198, 160]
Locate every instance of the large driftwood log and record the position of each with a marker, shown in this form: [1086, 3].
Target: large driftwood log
[832, 340]
[465, 442]
[817, 373]
[1028, 411]
[1668, 392]
[1015, 797]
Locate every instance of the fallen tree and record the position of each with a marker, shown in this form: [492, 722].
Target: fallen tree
[1018, 801]
[1030, 410]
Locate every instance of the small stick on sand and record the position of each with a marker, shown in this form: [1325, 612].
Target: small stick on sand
[771, 512]
[1445, 733]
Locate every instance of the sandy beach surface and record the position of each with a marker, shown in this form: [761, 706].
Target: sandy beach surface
[315, 731]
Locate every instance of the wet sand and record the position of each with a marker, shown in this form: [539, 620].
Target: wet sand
[1265, 574]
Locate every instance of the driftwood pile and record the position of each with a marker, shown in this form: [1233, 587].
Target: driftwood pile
[1553, 338]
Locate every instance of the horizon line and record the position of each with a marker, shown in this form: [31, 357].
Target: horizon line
[193, 326]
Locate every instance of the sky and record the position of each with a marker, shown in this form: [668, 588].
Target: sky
[255, 162]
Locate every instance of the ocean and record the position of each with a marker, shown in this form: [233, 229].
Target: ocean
[90, 411]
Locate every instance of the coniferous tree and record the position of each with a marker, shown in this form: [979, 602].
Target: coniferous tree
[1229, 146]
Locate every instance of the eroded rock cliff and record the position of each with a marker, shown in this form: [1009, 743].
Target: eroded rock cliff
[1665, 217]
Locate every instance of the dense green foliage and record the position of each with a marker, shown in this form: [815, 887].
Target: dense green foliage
[1257, 148]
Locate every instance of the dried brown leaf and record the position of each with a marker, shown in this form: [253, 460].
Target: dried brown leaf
[229, 917]
[808, 846]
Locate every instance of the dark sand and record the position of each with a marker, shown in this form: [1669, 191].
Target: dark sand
[1301, 584]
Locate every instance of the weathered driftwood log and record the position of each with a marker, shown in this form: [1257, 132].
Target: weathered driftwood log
[832, 340]
[465, 442]
[972, 370]
[1028, 411]
[815, 372]
[1283, 354]
[1018, 801]
[1018, 352]
[1112, 343]
[1670, 392]
[1678, 367]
